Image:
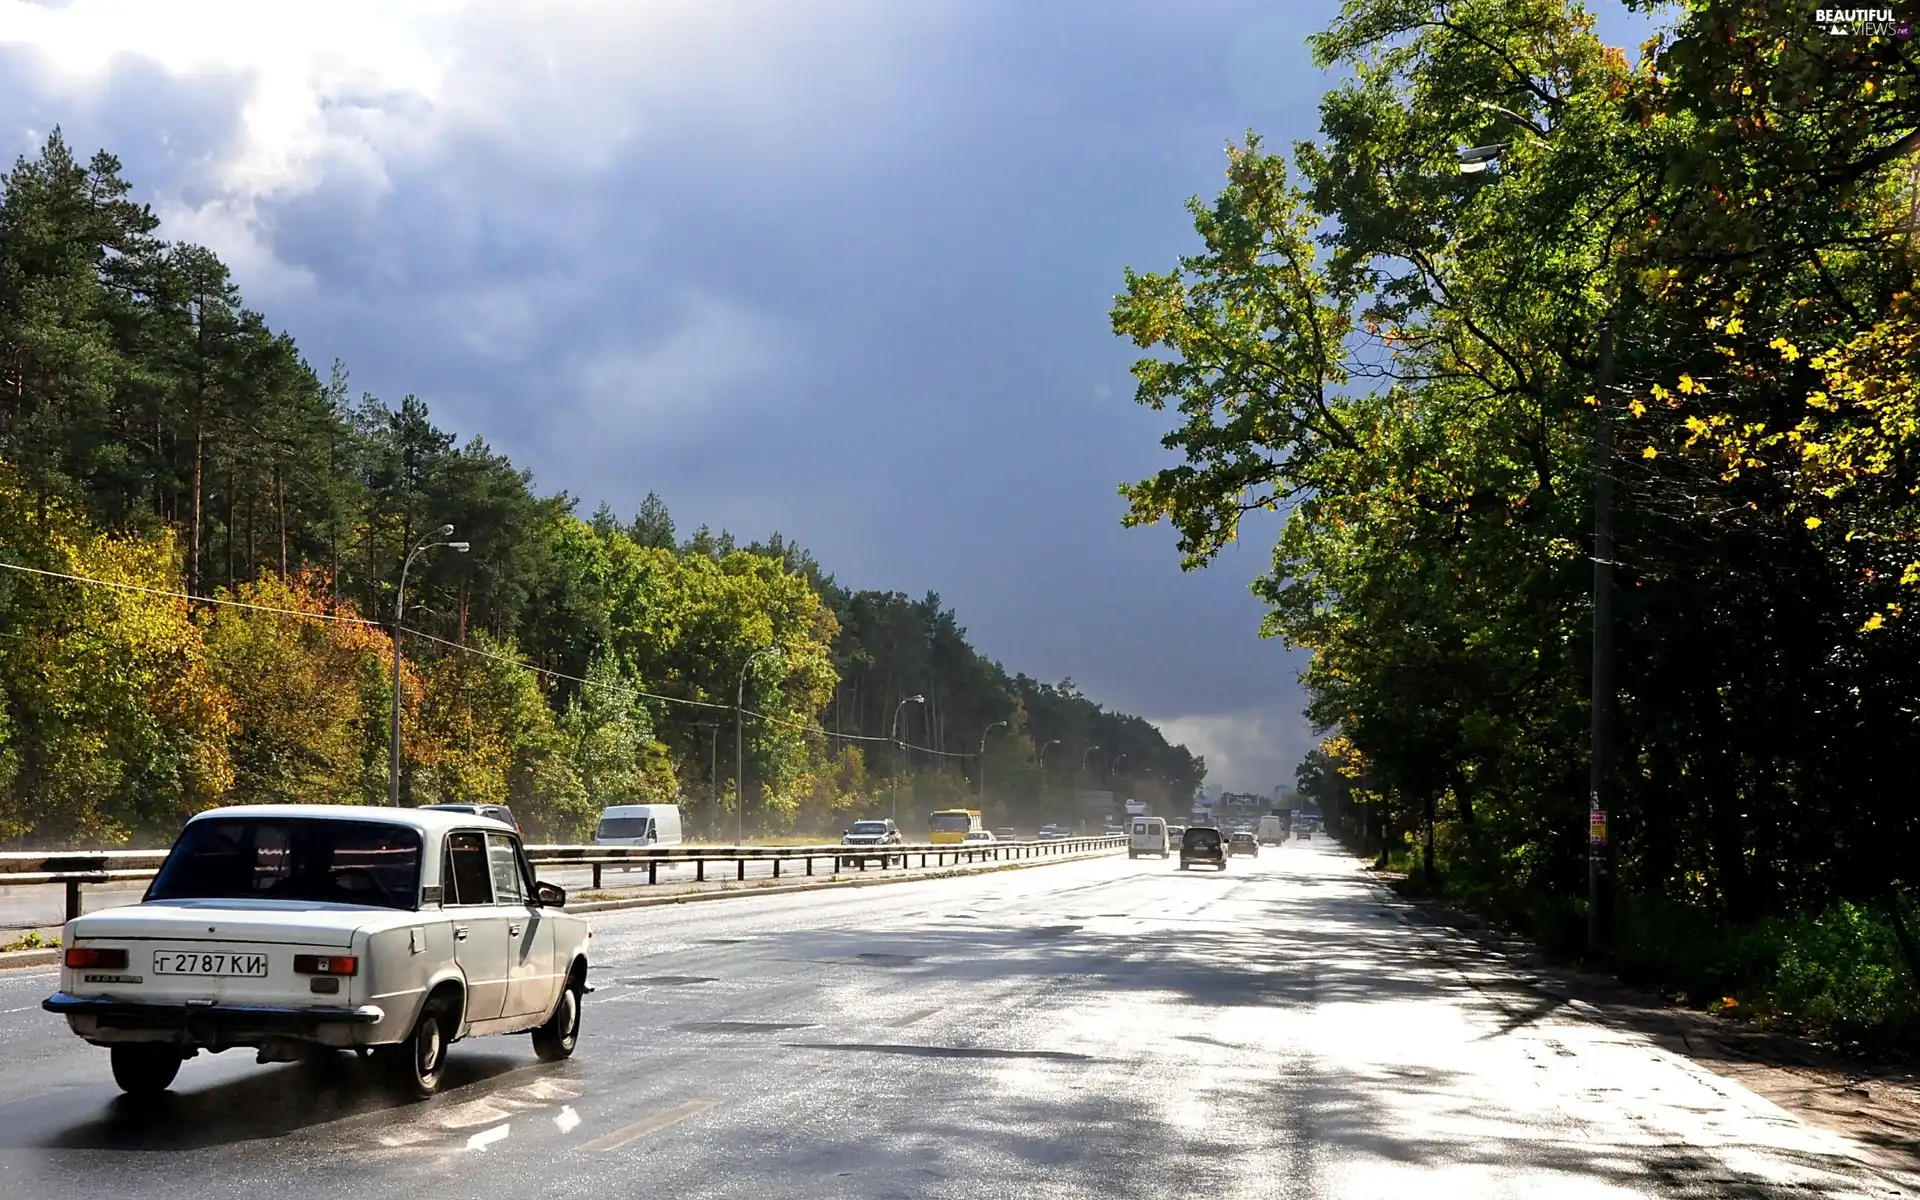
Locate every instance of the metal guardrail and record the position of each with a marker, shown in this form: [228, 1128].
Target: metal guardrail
[74, 869]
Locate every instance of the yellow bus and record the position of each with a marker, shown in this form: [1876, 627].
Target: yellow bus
[952, 825]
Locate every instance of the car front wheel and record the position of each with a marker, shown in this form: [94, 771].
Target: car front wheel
[143, 1068]
[417, 1064]
[556, 1039]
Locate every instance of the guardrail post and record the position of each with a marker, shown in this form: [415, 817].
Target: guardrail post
[596, 877]
[653, 871]
[73, 898]
[776, 868]
[699, 870]
[809, 864]
[742, 864]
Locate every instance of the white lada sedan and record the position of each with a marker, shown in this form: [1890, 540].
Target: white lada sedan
[289, 928]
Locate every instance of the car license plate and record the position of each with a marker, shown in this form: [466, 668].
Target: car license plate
[200, 962]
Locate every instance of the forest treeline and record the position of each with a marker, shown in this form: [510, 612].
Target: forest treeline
[158, 435]
[1704, 252]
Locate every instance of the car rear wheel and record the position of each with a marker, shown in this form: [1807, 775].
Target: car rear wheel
[556, 1039]
[144, 1069]
[417, 1064]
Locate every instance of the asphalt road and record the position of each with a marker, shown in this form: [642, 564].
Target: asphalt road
[1104, 1028]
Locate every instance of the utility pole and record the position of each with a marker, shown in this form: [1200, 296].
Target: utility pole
[1599, 786]
[740, 746]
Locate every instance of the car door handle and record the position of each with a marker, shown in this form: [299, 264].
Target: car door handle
[513, 931]
[459, 933]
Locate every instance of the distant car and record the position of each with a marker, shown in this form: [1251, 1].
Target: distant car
[1007, 833]
[1051, 833]
[1201, 844]
[1174, 832]
[977, 836]
[498, 812]
[875, 834]
[291, 928]
[1113, 831]
[1244, 842]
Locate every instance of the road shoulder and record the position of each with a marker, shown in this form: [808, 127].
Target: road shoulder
[1874, 1104]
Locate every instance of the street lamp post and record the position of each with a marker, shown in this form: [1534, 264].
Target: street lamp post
[740, 745]
[983, 759]
[1040, 757]
[1600, 711]
[1084, 755]
[893, 731]
[399, 611]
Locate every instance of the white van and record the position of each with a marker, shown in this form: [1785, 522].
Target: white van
[1147, 835]
[639, 825]
[1271, 831]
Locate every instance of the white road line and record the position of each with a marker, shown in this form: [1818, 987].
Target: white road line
[647, 1125]
[568, 1120]
[487, 1137]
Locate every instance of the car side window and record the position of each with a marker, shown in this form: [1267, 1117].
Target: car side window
[504, 862]
[467, 878]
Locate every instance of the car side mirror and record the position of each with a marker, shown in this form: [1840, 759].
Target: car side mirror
[846, 832]
[550, 895]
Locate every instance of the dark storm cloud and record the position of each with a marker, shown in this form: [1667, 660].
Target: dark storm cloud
[870, 313]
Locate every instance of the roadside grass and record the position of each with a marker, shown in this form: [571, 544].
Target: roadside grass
[31, 940]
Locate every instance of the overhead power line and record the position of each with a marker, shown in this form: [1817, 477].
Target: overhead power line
[547, 672]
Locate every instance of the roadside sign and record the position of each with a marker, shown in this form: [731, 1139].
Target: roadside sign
[1597, 827]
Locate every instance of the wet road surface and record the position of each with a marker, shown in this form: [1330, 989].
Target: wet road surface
[1101, 1028]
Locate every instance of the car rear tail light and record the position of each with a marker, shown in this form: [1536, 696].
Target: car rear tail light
[88, 957]
[321, 964]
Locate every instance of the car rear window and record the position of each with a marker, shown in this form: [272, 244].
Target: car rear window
[374, 863]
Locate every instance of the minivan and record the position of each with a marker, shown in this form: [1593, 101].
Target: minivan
[639, 825]
[1147, 835]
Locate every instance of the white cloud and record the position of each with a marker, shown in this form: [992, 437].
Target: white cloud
[714, 349]
[340, 91]
[1251, 750]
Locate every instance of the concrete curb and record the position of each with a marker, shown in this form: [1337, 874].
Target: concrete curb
[15, 959]
[826, 884]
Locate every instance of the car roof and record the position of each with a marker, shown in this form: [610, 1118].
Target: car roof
[426, 820]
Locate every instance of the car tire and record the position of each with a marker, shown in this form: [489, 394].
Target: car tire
[556, 1039]
[1183, 864]
[417, 1064]
[144, 1068]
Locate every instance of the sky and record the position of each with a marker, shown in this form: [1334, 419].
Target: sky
[838, 269]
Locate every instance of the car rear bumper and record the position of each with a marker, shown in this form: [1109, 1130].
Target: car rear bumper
[107, 1019]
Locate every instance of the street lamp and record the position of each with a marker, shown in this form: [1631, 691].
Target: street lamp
[1481, 158]
[399, 609]
[1084, 755]
[1600, 709]
[983, 759]
[893, 731]
[740, 745]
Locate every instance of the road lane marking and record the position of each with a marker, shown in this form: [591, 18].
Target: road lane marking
[647, 1125]
[487, 1137]
[568, 1120]
[913, 1018]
